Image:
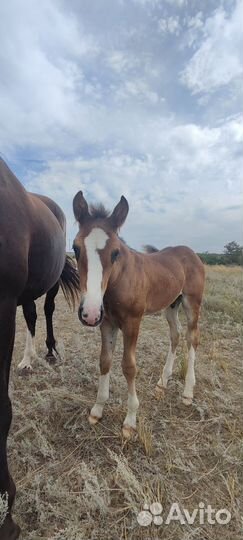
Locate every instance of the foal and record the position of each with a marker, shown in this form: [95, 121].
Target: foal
[119, 285]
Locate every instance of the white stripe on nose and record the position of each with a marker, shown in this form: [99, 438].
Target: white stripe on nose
[93, 298]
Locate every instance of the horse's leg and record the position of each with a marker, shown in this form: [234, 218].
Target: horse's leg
[8, 530]
[49, 308]
[130, 335]
[29, 311]
[171, 314]
[191, 306]
[108, 336]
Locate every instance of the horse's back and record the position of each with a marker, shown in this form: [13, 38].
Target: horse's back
[53, 206]
[183, 254]
[191, 263]
[172, 270]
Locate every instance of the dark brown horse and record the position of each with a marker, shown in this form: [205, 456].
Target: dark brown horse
[119, 285]
[68, 277]
[32, 263]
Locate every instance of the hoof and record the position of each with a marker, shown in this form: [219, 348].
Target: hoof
[93, 420]
[128, 432]
[24, 371]
[9, 530]
[186, 401]
[169, 382]
[159, 392]
[53, 357]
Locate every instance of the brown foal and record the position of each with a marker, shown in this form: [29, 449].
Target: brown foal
[119, 286]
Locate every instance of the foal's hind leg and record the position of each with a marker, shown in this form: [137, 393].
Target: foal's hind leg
[108, 336]
[29, 311]
[49, 308]
[171, 314]
[192, 308]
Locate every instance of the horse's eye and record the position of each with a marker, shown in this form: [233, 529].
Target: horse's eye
[114, 255]
[76, 250]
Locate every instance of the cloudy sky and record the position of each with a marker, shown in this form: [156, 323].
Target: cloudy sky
[135, 97]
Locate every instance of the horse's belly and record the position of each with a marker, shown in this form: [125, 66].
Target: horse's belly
[45, 267]
[163, 296]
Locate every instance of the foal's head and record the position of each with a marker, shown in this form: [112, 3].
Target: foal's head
[96, 247]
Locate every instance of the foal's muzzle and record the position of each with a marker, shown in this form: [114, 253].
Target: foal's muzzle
[90, 318]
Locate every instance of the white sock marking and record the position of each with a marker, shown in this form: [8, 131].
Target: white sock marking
[29, 352]
[168, 368]
[190, 375]
[102, 396]
[132, 407]
[93, 298]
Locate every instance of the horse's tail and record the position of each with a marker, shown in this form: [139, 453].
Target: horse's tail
[69, 282]
[150, 249]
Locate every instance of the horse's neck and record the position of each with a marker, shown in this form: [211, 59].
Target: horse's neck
[129, 267]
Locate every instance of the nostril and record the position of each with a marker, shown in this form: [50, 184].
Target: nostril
[80, 312]
[85, 315]
[101, 314]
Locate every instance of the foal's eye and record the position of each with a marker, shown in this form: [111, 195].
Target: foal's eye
[76, 250]
[114, 255]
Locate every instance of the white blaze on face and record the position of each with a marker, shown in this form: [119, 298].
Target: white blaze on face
[95, 241]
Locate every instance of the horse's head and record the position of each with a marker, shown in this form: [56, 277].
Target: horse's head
[96, 247]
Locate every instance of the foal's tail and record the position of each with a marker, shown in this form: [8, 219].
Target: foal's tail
[69, 282]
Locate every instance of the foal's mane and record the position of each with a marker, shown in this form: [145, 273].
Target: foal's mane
[150, 249]
[98, 211]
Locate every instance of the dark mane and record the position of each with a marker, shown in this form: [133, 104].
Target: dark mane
[126, 244]
[98, 211]
[150, 249]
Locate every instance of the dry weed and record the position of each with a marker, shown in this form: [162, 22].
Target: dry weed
[80, 483]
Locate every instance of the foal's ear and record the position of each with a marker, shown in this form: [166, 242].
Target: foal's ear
[119, 214]
[80, 208]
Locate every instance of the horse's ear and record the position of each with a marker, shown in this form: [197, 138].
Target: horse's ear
[119, 214]
[80, 208]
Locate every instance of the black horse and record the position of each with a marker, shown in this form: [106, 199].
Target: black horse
[33, 262]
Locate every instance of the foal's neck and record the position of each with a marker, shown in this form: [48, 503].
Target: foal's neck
[126, 263]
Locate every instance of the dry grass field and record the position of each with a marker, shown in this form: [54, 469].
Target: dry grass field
[75, 482]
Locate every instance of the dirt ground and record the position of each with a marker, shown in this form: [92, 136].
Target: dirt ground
[75, 482]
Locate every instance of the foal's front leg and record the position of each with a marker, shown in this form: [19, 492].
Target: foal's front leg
[108, 336]
[130, 335]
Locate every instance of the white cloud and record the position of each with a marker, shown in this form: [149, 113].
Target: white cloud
[40, 77]
[120, 61]
[177, 3]
[170, 25]
[193, 30]
[139, 89]
[218, 60]
[99, 102]
[178, 196]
